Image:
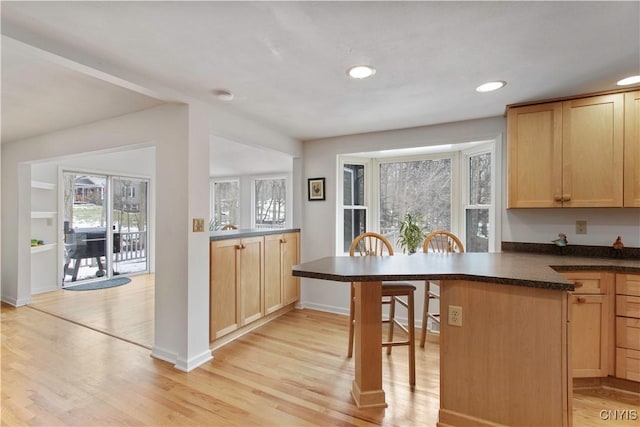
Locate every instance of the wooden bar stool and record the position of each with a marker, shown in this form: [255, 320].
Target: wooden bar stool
[436, 242]
[374, 244]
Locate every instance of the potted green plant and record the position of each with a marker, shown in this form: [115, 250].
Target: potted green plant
[411, 234]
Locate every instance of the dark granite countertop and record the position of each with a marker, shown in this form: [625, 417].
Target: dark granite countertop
[520, 269]
[247, 232]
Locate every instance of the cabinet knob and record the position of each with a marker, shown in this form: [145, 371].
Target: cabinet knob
[577, 284]
[240, 246]
[283, 240]
[557, 198]
[581, 300]
[566, 197]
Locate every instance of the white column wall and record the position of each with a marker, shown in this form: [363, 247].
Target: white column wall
[170, 130]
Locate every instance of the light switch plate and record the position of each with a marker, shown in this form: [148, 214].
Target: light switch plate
[198, 225]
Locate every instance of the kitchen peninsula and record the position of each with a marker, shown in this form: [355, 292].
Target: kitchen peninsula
[509, 362]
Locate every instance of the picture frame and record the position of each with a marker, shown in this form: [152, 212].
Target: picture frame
[315, 189]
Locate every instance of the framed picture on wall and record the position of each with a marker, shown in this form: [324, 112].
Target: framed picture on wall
[316, 189]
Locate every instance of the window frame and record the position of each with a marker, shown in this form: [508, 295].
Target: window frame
[212, 200]
[488, 147]
[288, 199]
[459, 155]
[455, 177]
[366, 163]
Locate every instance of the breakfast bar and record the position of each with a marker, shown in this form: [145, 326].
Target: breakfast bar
[506, 364]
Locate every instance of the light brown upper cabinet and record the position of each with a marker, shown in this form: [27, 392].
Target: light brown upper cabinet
[567, 153]
[632, 149]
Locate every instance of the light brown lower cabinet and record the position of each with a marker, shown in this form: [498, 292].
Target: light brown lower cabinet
[628, 326]
[281, 254]
[236, 284]
[250, 278]
[591, 320]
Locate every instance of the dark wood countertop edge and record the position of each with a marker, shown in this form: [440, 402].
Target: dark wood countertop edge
[472, 278]
[597, 267]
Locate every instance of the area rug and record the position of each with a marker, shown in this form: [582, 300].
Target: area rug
[104, 284]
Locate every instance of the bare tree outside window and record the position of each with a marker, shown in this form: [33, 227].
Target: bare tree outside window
[226, 201]
[479, 202]
[270, 203]
[421, 188]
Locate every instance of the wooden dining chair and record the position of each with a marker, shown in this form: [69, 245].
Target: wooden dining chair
[440, 241]
[374, 244]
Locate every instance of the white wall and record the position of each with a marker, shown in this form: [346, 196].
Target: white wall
[520, 225]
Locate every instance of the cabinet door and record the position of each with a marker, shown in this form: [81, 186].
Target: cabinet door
[290, 257]
[273, 292]
[223, 292]
[632, 149]
[250, 279]
[628, 284]
[535, 156]
[589, 336]
[592, 151]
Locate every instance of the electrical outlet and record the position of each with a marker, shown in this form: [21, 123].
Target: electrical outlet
[581, 227]
[455, 315]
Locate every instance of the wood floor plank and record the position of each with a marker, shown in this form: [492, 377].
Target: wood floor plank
[292, 371]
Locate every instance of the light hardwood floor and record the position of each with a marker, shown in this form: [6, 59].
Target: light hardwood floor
[290, 372]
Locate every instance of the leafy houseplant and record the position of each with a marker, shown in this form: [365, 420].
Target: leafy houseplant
[411, 234]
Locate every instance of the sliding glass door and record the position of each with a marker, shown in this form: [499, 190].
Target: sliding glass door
[105, 226]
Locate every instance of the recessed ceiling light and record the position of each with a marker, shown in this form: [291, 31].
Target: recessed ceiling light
[631, 80]
[361, 71]
[222, 94]
[488, 87]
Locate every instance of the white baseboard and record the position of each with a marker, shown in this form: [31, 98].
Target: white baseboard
[16, 302]
[189, 365]
[43, 289]
[164, 354]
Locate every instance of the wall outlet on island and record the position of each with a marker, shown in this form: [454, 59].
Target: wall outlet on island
[455, 315]
[581, 226]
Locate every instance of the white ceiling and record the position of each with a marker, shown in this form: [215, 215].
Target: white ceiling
[67, 63]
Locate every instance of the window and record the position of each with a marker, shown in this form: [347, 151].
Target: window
[479, 206]
[270, 202]
[353, 202]
[418, 187]
[226, 202]
[447, 191]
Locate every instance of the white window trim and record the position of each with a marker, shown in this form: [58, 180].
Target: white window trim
[487, 147]
[340, 202]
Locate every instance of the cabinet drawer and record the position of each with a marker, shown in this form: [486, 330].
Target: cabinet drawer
[587, 282]
[628, 364]
[628, 284]
[628, 306]
[628, 333]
